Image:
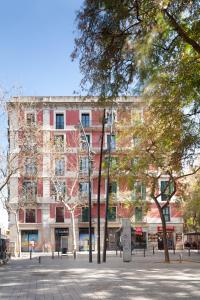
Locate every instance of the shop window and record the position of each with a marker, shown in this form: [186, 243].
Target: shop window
[30, 167]
[139, 191]
[166, 213]
[166, 189]
[138, 214]
[59, 121]
[112, 213]
[59, 214]
[30, 216]
[85, 119]
[59, 142]
[30, 118]
[59, 167]
[29, 189]
[85, 214]
[111, 141]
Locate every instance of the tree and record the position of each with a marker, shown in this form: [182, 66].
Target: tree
[72, 194]
[122, 43]
[21, 161]
[152, 156]
[191, 205]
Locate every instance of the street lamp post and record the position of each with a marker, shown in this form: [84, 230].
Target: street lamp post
[89, 192]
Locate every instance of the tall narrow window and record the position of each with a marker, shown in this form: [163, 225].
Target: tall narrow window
[59, 121]
[111, 141]
[113, 188]
[59, 142]
[166, 189]
[30, 216]
[85, 119]
[30, 119]
[60, 167]
[138, 214]
[30, 167]
[139, 191]
[60, 214]
[85, 214]
[29, 189]
[112, 213]
[84, 187]
[166, 213]
[85, 141]
[84, 164]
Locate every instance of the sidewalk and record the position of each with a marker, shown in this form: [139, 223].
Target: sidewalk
[144, 278]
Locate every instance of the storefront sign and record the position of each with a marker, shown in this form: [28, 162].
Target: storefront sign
[168, 228]
[126, 239]
[62, 231]
[138, 230]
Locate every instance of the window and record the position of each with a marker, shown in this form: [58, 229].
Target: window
[30, 167]
[30, 118]
[59, 189]
[111, 142]
[136, 141]
[85, 119]
[30, 216]
[59, 121]
[29, 189]
[60, 167]
[139, 191]
[166, 189]
[112, 214]
[110, 117]
[84, 187]
[84, 142]
[85, 214]
[30, 143]
[59, 142]
[166, 213]
[113, 187]
[138, 214]
[60, 214]
[84, 164]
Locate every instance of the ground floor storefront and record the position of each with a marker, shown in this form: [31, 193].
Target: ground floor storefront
[59, 237]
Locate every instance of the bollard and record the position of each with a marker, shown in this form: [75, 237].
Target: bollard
[52, 254]
[58, 254]
[188, 251]
[74, 254]
[120, 253]
[174, 250]
[39, 259]
[153, 250]
[30, 254]
[180, 258]
[144, 252]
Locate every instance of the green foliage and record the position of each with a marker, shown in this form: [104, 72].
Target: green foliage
[192, 206]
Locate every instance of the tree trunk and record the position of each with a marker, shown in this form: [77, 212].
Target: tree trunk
[164, 230]
[18, 234]
[73, 233]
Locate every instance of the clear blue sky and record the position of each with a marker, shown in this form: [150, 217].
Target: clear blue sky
[36, 40]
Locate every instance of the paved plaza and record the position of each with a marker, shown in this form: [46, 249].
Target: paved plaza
[65, 278]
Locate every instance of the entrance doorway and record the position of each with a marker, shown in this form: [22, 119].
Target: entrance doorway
[61, 239]
[29, 240]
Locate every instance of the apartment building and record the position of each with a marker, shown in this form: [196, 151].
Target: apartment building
[50, 155]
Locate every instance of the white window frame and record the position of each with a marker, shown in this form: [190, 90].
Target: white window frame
[64, 141]
[64, 170]
[86, 112]
[114, 113]
[106, 141]
[57, 112]
[33, 113]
